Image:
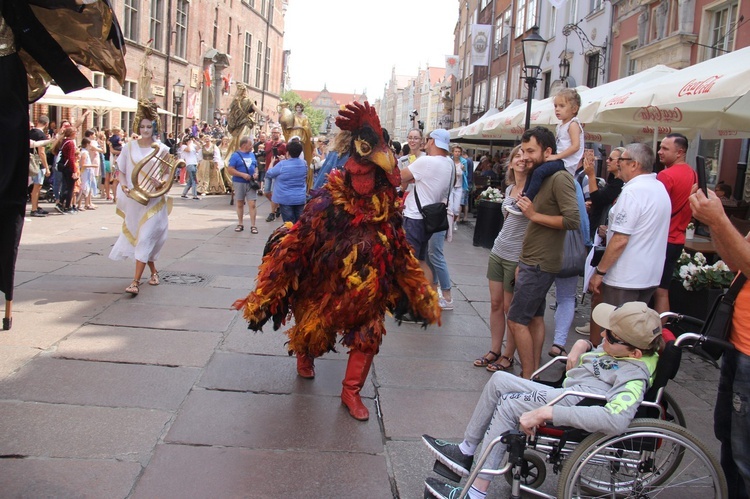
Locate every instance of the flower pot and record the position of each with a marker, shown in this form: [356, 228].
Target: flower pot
[693, 303]
[689, 233]
[488, 224]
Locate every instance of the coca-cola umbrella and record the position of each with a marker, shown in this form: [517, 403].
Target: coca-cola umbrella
[710, 97]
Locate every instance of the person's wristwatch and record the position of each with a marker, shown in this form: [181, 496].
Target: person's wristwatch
[599, 272]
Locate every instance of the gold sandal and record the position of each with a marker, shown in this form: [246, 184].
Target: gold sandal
[133, 289]
[154, 281]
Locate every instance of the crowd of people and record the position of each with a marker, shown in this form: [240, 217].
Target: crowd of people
[634, 219]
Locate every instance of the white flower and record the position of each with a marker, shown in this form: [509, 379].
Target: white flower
[699, 258]
[721, 266]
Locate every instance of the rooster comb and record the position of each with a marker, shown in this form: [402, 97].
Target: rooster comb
[355, 115]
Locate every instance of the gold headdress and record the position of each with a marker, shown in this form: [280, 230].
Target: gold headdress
[146, 110]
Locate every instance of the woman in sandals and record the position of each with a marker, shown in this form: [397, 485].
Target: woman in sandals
[144, 228]
[501, 270]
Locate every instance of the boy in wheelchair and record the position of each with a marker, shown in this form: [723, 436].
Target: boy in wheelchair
[621, 369]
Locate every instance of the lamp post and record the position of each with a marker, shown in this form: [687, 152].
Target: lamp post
[564, 69]
[533, 50]
[178, 90]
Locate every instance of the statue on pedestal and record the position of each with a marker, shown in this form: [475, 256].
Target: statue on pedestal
[662, 15]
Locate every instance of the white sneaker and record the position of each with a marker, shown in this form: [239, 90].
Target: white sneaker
[584, 330]
[455, 228]
[445, 305]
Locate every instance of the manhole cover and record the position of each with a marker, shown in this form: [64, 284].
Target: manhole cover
[184, 279]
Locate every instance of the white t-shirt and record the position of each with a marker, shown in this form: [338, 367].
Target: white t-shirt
[564, 141]
[432, 178]
[642, 211]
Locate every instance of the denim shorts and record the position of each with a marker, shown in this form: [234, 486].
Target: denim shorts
[532, 285]
[417, 237]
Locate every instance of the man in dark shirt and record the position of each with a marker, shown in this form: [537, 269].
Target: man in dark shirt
[37, 133]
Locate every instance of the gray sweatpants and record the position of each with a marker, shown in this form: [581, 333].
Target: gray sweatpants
[504, 399]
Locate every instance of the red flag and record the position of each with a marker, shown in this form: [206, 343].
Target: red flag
[207, 76]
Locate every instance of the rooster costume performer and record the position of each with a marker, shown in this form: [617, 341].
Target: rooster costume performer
[344, 263]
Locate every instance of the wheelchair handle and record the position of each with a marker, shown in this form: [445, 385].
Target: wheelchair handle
[682, 318]
[700, 339]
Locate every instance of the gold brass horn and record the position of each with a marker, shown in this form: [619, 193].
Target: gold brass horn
[157, 180]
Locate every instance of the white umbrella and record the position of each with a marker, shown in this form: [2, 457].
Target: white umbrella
[710, 97]
[100, 100]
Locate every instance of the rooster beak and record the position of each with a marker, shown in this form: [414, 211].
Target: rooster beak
[384, 159]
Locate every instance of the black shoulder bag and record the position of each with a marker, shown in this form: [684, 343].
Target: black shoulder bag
[435, 215]
[719, 320]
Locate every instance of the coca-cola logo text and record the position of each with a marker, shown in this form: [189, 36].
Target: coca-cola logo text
[659, 115]
[698, 87]
[617, 100]
[727, 133]
[517, 130]
[593, 137]
[662, 130]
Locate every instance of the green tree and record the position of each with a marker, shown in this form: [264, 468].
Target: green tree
[316, 117]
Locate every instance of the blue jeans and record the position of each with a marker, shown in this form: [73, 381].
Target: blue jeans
[291, 212]
[192, 181]
[732, 421]
[57, 181]
[565, 294]
[436, 260]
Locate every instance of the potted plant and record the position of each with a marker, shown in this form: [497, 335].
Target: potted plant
[696, 284]
[492, 195]
[489, 217]
[690, 231]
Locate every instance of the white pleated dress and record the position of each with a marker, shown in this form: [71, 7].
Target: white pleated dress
[144, 228]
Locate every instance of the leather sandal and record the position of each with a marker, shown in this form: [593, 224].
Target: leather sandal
[154, 281]
[239, 228]
[498, 366]
[484, 361]
[560, 350]
[134, 288]
[253, 230]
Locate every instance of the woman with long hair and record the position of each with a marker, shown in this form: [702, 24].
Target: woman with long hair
[501, 269]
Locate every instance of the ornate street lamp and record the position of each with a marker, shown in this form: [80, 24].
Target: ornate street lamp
[178, 91]
[564, 69]
[533, 51]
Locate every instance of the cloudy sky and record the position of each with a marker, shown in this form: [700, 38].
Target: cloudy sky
[352, 45]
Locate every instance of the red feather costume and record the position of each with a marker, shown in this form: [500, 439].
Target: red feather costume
[344, 263]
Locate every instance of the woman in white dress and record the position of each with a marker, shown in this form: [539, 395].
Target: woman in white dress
[144, 228]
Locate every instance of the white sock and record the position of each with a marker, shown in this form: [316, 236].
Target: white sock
[476, 493]
[467, 448]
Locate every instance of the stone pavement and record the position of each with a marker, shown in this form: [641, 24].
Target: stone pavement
[169, 395]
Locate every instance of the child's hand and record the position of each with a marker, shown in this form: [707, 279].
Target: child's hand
[579, 348]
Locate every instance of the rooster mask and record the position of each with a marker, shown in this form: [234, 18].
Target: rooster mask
[371, 160]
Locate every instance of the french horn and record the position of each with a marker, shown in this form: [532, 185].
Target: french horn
[157, 179]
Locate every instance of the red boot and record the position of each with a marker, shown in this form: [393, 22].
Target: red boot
[356, 374]
[305, 366]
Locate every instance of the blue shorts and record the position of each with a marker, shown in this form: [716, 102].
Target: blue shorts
[417, 237]
[38, 179]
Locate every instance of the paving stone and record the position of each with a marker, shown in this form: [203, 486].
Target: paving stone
[408, 414]
[139, 346]
[177, 296]
[215, 268]
[199, 472]
[276, 374]
[476, 293]
[14, 357]
[38, 330]
[100, 383]
[81, 304]
[279, 422]
[419, 374]
[57, 430]
[434, 346]
[60, 284]
[131, 313]
[67, 478]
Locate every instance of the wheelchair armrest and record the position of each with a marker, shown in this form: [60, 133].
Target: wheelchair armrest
[574, 393]
[559, 358]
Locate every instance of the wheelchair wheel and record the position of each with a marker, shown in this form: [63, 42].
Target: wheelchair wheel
[674, 413]
[533, 470]
[651, 458]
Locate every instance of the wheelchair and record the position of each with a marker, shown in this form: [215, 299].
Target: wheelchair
[657, 456]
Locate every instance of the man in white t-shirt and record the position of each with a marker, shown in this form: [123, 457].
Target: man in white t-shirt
[431, 176]
[631, 267]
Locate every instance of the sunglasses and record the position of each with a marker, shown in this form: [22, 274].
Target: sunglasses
[615, 341]
[624, 159]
